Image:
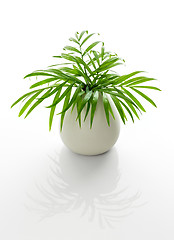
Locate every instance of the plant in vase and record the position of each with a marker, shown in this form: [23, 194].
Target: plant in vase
[94, 95]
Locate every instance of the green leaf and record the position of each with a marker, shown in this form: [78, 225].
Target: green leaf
[87, 110]
[83, 102]
[60, 64]
[132, 108]
[119, 108]
[80, 61]
[109, 66]
[48, 80]
[72, 49]
[96, 57]
[91, 61]
[74, 71]
[78, 110]
[90, 35]
[119, 95]
[104, 79]
[53, 91]
[34, 74]
[64, 76]
[53, 108]
[109, 61]
[140, 81]
[93, 108]
[124, 77]
[73, 99]
[128, 110]
[25, 95]
[90, 47]
[57, 56]
[66, 101]
[74, 40]
[136, 79]
[149, 87]
[102, 51]
[29, 102]
[80, 94]
[111, 111]
[37, 103]
[106, 107]
[62, 96]
[76, 35]
[68, 57]
[134, 99]
[82, 33]
[144, 96]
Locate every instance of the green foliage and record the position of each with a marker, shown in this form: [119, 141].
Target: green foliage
[90, 72]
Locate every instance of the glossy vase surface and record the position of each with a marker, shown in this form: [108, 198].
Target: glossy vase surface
[90, 141]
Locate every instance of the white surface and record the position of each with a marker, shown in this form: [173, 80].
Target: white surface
[131, 187]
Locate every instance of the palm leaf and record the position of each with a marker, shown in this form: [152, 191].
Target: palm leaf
[96, 57]
[82, 33]
[74, 40]
[134, 99]
[125, 77]
[149, 87]
[127, 109]
[144, 96]
[72, 49]
[68, 57]
[29, 102]
[48, 80]
[119, 95]
[140, 81]
[73, 99]
[21, 98]
[74, 71]
[87, 110]
[64, 76]
[91, 47]
[53, 91]
[106, 107]
[39, 73]
[91, 61]
[66, 101]
[38, 102]
[106, 67]
[52, 111]
[119, 108]
[62, 96]
[102, 51]
[132, 108]
[111, 111]
[136, 80]
[90, 35]
[93, 108]
[83, 102]
[80, 61]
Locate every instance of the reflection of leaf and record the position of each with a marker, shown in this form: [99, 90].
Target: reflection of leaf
[59, 197]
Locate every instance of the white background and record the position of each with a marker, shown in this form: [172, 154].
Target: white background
[125, 194]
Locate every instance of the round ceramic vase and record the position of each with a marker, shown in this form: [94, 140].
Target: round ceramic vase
[90, 141]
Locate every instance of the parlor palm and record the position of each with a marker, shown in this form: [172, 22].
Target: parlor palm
[83, 74]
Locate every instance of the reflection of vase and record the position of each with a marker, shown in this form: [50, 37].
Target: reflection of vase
[88, 184]
[89, 177]
[91, 141]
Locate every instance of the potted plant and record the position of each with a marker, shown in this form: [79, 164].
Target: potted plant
[93, 95]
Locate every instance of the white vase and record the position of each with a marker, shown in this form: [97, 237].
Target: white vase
[90, 141]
